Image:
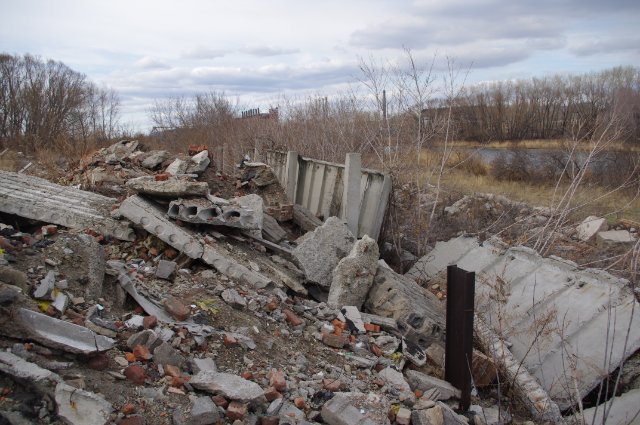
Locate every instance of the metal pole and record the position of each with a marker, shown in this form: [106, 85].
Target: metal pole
[459, 340]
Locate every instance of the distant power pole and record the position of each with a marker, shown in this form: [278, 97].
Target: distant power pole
[384, 105]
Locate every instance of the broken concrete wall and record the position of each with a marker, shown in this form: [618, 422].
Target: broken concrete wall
[38, 199]
[563, 323]
[319, 187]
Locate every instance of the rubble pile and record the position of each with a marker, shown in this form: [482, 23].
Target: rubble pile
[209, 310]
[210, 300]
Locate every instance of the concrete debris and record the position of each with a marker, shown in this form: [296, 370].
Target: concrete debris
[418, 313]
[353, 276]
[204, 412]
[614, 237]
[271, 230]
[440, 414]
[45, 288]
[165, 269]
[305, 218]
[353, 318]
[22, 370]
[203, 211]
[154, 158]
[198, 163]
[165, 354]
[320, 251]
[517, 290]
[420, 381]
[590, 226]
[228, 385]
[395, 379]
[56, 333]
[621, 410]
[173, 187]
[177, 167]
[200, 365]
[354, 408]
[80, 407]
[38, 199]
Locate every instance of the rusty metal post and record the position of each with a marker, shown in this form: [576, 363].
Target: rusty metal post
[459, 339]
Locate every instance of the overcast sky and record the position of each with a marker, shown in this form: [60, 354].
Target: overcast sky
[259, 50]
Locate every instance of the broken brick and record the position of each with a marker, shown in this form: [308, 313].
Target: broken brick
[149, 322]
[277, 380]
[292, 318]
[236, 411]
[176, 308]
[142, 353]
[271, 394]
[135, 373]
[332, 385]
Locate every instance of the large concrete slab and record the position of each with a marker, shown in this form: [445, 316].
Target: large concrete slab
[39, 199]
[568, 327]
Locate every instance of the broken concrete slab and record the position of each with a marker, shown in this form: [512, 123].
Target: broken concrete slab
[440, 414]
[352, 408]
[395, 379]
[271, 230]
[198, 163]
[443, 254]
[199, 365]
[353, 276]
[321, 250]
[44, 289]
[353, 318]
[203, 211]
[178, 166]
[165, 269]
[173, 187]
[154, 158]
[38, 199]
[80, 407]
[614, 237]
[590, 226]
[419, 315]
[621, 410]
[25, 371]
[305, 218]
[228, 385]
[204, 412]
[93, 258]
[58, 334]
[420, 381]
[142, 212]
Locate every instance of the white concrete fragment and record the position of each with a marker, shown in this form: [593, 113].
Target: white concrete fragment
[621, 410]
[226, 384]
[590, 226]
[80, 407]
[43, 291]
[353, 276]
[614, 237]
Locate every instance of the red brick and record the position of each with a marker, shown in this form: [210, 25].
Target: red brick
[247, 375]
[128, 408]
[176, 308]
[141, 352]
[236, 410]
[220, 401]
[229, 341]
[135, 373]
[299, 402]
[272, 394]
[162, 177]
[98, 362]
[370, 327]
[170, 253]
[269, 420]
[149, 322]
[335, 341]
[277, 380]
[292, 318]
[171, 370]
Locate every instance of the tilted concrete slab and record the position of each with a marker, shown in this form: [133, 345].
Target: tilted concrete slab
[39, 199]
[562, 323]
[443, 254]
[622, 410]
[152, 219]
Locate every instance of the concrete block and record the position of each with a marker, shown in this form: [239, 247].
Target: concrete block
[614, 237]
[420, 381]
[590, 226]
[198, 163]
[271, 230]
[443, 254]
[171, 188]
[351, 195]
[154, 158]
[165, 269]
[59, 334]
[203, 211]
[340, 410]
[353, 276]
[44, 289]
[177, 167]
[204, 412]
[622, 410]
[36, 198]
[228, 385]
[321, 250]
[80, 407]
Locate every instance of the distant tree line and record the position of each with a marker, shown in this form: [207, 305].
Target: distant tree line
[561, 106]
[44, 103]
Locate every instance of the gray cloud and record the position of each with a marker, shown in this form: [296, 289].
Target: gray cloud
[265, 51]
[204, 53]
[606, 45]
